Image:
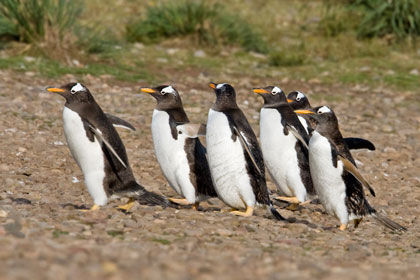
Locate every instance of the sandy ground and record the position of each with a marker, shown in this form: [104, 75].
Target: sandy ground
[43, 235]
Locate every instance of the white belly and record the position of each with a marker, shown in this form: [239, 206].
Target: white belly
[280, 155]
[227, 163]
[326, 178]
[88, 155]
[304, 123]
[171, 156]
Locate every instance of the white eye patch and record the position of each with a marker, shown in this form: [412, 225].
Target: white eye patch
[324, 109]
[300, 95]
[276, 90]
[219, 86]
[167, 89]
[77, 87]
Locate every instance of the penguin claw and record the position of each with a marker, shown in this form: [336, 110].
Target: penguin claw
[343, 227]
[288, 199]
[179, 201]
[248, 213]
[293, 207]
[93, 208]
[126, 207]
[195, 206]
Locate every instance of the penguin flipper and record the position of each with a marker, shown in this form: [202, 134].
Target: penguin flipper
[117, 122]
[351, 168]
[101, 139]
[297, 135]
[359, 143]
[192, 130]
[246, 147]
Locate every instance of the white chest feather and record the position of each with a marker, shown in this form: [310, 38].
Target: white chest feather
[280, 155]
[171, 156]
[227, 163]
[327, 179]
[304, 123]
[88, 155]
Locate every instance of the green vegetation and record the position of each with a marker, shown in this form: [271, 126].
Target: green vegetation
[158, 41]
[398, 17]
[207, 23]
[38, 20]
[161, 241]
[57, 233]
[115, 233]
[372, 18]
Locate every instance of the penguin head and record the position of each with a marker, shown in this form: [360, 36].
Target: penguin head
[225, 95]
[323, 118]
[73, 93]
[167, 97]
[298, 100]
[271, 95]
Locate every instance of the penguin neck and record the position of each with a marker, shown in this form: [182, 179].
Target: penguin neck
[332, 132]
[176, 113]
[274, 104]
[224, 103]
[84, 108]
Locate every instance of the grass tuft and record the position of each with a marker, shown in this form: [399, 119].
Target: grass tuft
[371, 18]
[397, 17]
[36, 20]
[207, 23]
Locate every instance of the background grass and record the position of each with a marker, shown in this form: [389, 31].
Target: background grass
[324, 41]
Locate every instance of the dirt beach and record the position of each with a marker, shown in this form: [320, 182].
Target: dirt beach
[44, 236]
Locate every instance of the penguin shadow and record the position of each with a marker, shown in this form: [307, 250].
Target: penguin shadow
[72, 206]
[293, 220]
[209, 209]
[21, 200]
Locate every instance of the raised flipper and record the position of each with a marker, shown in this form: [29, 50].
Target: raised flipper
[359, 143]
[192, 130]
[101, 139]
[245, 145]
[117, 122]
[349, 166]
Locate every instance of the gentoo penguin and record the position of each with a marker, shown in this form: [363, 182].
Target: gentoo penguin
[178, 149]
[298, 100]
[337, 180]
[98, 149]
[286, 157]
[235, 158]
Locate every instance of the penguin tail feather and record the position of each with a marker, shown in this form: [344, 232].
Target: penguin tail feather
[388, 222]
[275, 213]
[150, 198]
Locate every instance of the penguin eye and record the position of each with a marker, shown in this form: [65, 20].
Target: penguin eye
[73, 91]
[298, 99]
[320, 112]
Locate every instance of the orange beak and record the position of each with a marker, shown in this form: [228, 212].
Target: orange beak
[212, 85]
[304, 112]
[55, 90]
[147, 90]
[260, 91]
